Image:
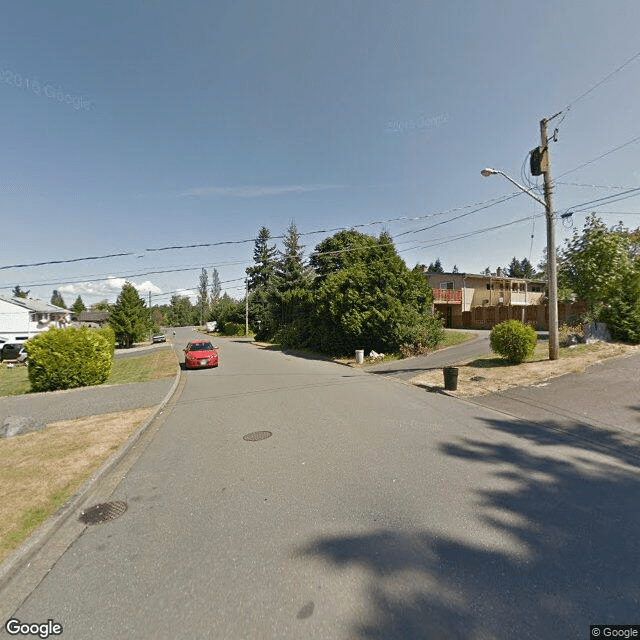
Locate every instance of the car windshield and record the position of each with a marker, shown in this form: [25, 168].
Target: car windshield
[201, 346]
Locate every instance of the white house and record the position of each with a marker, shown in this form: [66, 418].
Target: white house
[23, 318]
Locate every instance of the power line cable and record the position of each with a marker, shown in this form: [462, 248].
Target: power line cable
[600, 82]
[49, 262]
[496, 200]
[603, 155]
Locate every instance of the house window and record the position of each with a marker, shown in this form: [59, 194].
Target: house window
[488, 286]
[446, 285]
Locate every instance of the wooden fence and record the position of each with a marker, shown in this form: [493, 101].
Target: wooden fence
[536, 315]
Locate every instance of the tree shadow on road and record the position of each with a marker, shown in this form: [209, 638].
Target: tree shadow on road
[551, 545]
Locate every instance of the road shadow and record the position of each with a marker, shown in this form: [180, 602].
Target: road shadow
[564, 552]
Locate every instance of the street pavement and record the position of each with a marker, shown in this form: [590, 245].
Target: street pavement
[373, 511]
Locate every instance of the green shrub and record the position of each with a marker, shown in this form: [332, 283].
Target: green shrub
[513, 340]
[422, 337]
[232, 329]
[70, 358]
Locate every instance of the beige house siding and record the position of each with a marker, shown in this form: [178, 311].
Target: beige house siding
[476, 290]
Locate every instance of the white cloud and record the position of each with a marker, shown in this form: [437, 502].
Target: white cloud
[255, 191]
[106, 288]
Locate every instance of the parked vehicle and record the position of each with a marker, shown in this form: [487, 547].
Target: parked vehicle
[158, 338]
[200, 354]
[13, 351]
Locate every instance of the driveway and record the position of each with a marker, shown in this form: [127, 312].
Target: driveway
[411, 367]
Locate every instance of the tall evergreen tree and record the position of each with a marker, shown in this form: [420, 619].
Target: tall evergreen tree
[129, 317]
[264, 258]
[216, 287]
[290, 270]
[57, 299]
[527, 268]
[202, 302]
[78, 306]
[435, 267]
[515, 269]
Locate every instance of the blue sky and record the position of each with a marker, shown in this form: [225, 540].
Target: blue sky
[131, 126]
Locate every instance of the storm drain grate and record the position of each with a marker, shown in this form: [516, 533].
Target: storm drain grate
[103, 512]
[257, 435]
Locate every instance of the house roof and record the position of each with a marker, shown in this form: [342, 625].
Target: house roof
[92, 316]
[483, 275]
[33, 304]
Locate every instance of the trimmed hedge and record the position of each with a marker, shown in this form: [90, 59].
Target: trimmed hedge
[513, 340]
[70, 358]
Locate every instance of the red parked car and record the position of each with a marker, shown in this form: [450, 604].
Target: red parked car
[200, 354]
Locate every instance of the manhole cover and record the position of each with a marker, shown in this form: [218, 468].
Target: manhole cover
[257, 435]
[103, 512]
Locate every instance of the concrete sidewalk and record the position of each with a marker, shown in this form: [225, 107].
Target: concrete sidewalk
[601, 405]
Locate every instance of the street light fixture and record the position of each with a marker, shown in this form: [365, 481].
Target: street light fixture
[551, 260]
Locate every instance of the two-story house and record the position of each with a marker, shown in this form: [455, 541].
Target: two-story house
[23, 318]
[457, 293]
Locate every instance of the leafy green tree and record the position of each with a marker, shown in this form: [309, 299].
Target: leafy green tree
[129, 317]
[596, 262]
[180, 311]
[622, 312]
[366, 298]
[57, 299]
[264, 258]
[78, 306]
[216, 286]
[19, 293]
[103, 305]
[455, 269]
[227, 310]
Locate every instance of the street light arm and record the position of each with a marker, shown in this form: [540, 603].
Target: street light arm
[489, 172]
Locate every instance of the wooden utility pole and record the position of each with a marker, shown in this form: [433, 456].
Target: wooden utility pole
[552, 273]
[246, 307]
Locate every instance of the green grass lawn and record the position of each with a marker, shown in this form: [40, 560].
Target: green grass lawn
[153, 366]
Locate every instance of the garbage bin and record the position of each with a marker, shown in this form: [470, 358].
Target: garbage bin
[450, 378]
[359, 356]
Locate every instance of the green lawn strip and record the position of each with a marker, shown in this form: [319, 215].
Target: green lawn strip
[14, 380]
[153, 366]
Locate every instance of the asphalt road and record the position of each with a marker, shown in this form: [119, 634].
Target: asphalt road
[374, 511]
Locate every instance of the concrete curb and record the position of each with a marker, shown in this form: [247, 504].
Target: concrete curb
[32, 545]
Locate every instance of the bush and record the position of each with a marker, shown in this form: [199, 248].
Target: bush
[421, 338]
[232, 329]
[513, 340]
[70, 358]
